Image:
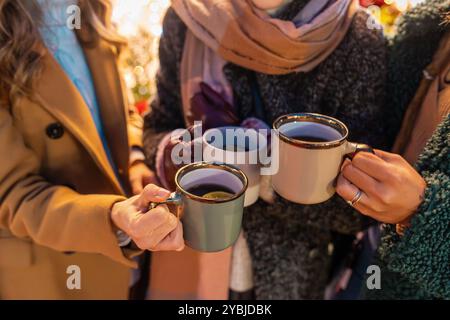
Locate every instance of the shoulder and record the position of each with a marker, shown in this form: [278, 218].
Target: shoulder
[422, 21]
[361, 54]
[364, 37]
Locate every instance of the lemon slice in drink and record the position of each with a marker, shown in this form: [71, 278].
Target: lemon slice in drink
[218, 195]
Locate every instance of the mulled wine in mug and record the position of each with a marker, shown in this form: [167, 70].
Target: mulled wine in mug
[209, 201]
[310, 149]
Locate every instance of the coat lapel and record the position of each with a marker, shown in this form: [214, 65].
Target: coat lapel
[102, 62]
[58, 95]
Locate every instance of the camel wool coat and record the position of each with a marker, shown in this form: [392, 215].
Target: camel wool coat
[57, 185]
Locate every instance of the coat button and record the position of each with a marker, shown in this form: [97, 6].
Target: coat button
[55, 131]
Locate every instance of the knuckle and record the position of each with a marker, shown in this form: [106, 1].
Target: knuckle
[140, 244]
[150, 188]
[358, 159]
[387, 198]
[158, 213]
[348, 170]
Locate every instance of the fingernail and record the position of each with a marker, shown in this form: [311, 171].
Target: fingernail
[163, 193]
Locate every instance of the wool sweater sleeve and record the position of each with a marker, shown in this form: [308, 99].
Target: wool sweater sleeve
[422, 254]
[166, 110]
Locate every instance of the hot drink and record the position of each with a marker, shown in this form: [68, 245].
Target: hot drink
[309, 138]
[211, 191]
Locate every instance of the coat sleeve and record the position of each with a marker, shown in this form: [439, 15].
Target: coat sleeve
[422, 254]
[50, 215]
[166, 112]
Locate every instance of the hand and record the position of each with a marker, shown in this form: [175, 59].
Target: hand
[391, 189]
[156, 229]
[140, 176]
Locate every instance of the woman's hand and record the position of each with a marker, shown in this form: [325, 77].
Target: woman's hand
[156, 229]
[392, 190]
[140, 176]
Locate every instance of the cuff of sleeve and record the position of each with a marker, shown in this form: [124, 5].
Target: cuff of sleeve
[421, 254]
[106, 238]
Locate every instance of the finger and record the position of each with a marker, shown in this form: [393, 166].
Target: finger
[154, 237]
[388, 156]
[173, 241]
[360, 179]
[152, 193]
[372, 165]
[345, 163]
[348, 191]
[156, 221]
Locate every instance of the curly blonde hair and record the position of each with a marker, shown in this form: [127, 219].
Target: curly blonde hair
[21, 48]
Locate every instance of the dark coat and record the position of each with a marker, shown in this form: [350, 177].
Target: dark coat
[290, 244]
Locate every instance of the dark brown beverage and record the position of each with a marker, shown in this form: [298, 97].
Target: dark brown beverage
[211, 191]
[309, 138]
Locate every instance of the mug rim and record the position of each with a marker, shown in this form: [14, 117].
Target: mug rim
[316, 118]
[212, 165]
[260, 147]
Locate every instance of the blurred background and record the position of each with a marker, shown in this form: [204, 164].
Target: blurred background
[140, 21]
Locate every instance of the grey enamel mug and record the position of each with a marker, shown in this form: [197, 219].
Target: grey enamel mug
[209, 225]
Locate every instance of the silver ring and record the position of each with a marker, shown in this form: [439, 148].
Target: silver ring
[356, 198]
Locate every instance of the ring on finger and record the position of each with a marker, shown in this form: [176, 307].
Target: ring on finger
[355, 199]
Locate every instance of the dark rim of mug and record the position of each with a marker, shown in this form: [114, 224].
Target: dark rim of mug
[311, 117]
[207, 165]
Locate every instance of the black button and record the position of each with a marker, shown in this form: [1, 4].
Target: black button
[69, 253]
[55, 130]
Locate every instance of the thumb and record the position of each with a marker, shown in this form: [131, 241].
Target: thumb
[152, 193]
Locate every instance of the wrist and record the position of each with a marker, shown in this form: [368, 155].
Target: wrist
[402, 226]
[122, 238]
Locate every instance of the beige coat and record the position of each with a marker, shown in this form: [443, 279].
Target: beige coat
[57, 186]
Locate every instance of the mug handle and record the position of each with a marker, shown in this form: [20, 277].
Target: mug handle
[354, 148]
[175, 200]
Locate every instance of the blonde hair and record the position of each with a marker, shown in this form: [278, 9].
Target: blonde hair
[21, 48]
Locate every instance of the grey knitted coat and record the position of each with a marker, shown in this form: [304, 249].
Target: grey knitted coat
[290, 244]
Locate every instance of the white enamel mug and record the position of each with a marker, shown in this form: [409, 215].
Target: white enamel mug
[240, 148]
[307, 169]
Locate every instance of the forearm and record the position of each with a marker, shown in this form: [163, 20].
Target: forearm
[61, 219]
